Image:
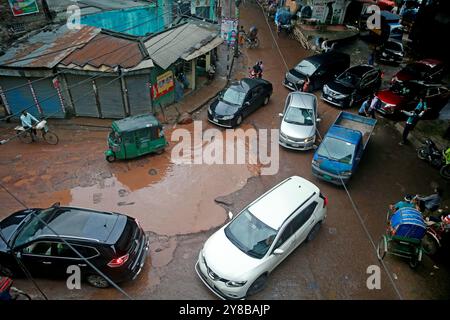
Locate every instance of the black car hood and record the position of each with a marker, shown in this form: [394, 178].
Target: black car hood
[222, 108]
[9, 225]
[340, 88]
[295, 75]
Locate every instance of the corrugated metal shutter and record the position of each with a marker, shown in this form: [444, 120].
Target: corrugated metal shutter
[83, 96]
[51, 107]
[21, 98]
[110, 96]
[139, 94]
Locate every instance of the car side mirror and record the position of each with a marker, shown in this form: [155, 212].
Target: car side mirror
[278, 251]
[280, 115]
[230, 215]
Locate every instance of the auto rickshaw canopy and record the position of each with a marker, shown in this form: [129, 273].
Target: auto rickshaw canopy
[134, 123]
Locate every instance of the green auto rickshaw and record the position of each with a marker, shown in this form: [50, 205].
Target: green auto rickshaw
[135, 136]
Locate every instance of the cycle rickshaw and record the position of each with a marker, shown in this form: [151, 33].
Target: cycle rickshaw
[403, 237]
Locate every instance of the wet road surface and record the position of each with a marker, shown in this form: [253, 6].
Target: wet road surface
[181, 205]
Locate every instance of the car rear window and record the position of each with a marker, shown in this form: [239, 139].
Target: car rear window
[127, 236]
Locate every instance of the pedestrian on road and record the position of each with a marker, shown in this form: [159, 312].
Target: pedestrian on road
[371, 59]
[374, 104]
[413, 118]
[432, 202]
[306, 85]
[365, 107]
[241, 36]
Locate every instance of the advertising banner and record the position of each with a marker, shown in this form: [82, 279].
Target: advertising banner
[164, 84]
[23, 7]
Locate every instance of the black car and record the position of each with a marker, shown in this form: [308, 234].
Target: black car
[320, 69]
[352, 86]
[114, 243]
[238, 100]
[391, 51]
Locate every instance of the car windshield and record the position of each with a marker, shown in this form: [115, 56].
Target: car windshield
[233, 96]
[348, 79]
[417, 69]
[250, 235]
[403, 89]
[299, 116]
[305, 67]
[114, 137]
[337, 150]
[34, 226]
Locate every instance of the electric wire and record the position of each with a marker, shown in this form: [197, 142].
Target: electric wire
[352, 202]
[112, 283]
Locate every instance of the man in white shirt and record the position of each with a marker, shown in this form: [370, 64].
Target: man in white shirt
[28, 122]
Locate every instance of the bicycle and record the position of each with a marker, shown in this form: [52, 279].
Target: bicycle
[28, 135]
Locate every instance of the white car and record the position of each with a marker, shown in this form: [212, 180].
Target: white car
[299, 121]
[236, 261]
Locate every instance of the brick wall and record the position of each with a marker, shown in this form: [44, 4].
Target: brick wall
[12, 27]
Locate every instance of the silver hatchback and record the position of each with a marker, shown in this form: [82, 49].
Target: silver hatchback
[299, 121]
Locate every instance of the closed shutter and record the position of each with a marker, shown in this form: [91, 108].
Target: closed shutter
[139, 94]
[21, 98]
[110, 96]
[48, 98]
[83, 96]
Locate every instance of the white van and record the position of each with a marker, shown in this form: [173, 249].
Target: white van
[236, 260]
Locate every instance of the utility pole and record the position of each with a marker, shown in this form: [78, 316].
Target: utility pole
[236, 43]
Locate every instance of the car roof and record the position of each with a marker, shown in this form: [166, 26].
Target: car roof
[276, 205]
[245, 84]
[79, 223]
[319, 59]
[302, 100]
[135, 123]
[430, 62]
[361, 69]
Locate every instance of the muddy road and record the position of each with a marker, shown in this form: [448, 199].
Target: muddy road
[180, 205]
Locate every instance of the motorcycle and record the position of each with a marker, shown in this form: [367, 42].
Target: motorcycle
[439, 159]
[251, 43]
[252, 74]
[436, 230]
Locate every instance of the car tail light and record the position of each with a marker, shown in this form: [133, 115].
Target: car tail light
[117, 262]
[325, 200]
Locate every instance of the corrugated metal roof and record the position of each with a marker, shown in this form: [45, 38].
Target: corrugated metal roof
[106, 50]
[46, 49]
[167, 47]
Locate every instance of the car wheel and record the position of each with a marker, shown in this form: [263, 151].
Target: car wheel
[422, 153]
[239, 121]
[97, 281]
[111, 158]
[266, 100]
[312, 234]
[5, 271]
[258, 285]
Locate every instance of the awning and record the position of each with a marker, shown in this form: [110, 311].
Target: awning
[205, 49]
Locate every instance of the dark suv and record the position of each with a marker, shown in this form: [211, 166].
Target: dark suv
[114, 243]
[352, 86]
[320, 69]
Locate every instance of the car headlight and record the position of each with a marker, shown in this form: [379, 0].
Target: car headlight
[346, 173]
[325, 89]
[389, 108]
[310, 139]
[235, 284]
[384, 54]
[209, 110]
[315, 163]
[228, 117]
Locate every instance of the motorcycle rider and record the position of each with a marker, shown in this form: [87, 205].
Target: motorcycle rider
[257, 70]
[253, 34]
[408, 202]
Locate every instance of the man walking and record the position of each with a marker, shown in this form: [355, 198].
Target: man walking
[413, 118]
